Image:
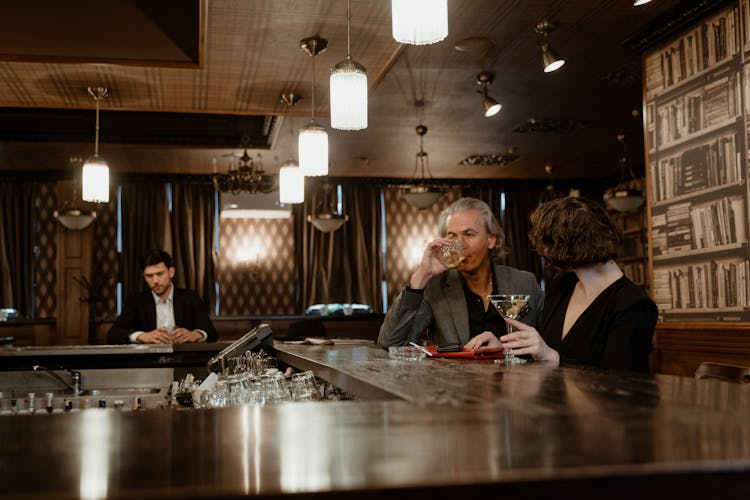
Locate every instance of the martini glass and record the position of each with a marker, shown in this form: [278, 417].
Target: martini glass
[511, 306]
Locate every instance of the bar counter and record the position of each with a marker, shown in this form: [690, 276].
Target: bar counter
[435, 428]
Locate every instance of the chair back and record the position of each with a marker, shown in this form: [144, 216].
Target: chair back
[728, 373]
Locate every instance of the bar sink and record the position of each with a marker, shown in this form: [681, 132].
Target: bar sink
[121, 391]
[127, 389]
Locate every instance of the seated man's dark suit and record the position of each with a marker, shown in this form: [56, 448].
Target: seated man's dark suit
[139, 314]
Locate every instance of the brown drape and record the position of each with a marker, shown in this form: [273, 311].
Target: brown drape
[363, 235]
[343, 266]
[519, 203]
[17, 231]
[488, 193]
[145, 225]
[193, 227]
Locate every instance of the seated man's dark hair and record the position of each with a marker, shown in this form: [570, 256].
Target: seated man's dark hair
[156, 256]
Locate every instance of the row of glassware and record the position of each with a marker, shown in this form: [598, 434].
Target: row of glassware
[254, 379]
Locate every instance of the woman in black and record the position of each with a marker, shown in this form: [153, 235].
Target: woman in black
[593, 314]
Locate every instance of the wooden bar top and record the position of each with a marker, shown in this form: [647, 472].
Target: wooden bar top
[434, 428]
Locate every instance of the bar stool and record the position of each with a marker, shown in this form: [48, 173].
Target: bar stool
[728, 373]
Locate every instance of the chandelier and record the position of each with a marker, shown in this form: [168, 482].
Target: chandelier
[75, 214]
[247, 176]
[327, 219]
[627, 195]
[420, 194]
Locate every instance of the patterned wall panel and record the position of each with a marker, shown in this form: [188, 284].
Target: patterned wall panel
[256, 267]
[46, 251]
[105, 262]
[407, 232]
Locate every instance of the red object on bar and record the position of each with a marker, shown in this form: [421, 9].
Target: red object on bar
[481, 353]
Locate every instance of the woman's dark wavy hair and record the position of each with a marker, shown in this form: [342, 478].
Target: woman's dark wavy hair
[490, 222]
[573, 232]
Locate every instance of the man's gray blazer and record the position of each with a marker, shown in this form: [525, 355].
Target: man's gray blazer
[441, 308]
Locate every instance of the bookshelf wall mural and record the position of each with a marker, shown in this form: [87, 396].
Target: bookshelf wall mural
[697, 102]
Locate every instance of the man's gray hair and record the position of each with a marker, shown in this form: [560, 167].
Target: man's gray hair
[490, 222]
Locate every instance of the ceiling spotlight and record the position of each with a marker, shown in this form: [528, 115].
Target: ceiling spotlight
[491, 106]
[551, 60]
[638, 3]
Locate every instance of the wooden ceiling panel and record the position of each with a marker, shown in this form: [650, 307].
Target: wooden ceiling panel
[248, 54]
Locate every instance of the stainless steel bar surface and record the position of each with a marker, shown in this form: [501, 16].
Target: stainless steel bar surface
[458, 429]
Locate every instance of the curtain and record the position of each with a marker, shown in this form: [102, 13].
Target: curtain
[488, 193]
[145, 225]
[363, 244]
[193, 227]
[17, 232]
[345, 265]
[519, 203]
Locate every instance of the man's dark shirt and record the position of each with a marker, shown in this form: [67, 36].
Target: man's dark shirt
[479, 319]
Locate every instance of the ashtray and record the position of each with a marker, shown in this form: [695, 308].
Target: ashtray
[406, 353]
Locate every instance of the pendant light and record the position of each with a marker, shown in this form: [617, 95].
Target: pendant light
[95, 172]
[348, 88]
[419, 22]
[627, 195]
[327, 219]
[291, 180]
[313, 138]
[420, 194]
[74, 214]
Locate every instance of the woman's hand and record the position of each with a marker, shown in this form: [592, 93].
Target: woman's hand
[484, 339]
[526, 340]
[430, 264]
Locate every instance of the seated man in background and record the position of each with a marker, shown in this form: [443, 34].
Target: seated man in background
[164, 314]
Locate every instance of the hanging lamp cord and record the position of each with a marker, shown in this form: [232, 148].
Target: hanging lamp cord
[348, 29]
[312, 102]
[96, 130]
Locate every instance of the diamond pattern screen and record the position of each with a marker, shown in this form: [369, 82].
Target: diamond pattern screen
[105, 262]
[46, 251]
[256, 267]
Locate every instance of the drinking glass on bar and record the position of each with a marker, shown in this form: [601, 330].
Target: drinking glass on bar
[511, 306]
[451, 254]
